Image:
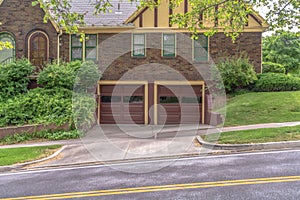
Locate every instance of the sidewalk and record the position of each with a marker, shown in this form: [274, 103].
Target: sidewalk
[144, 143]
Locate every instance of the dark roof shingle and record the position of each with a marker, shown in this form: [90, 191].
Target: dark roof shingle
[113, 18]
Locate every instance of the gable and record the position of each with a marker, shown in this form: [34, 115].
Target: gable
[159, 17]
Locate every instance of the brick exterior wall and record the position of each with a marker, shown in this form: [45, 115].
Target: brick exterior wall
[222, 47]
[156, 67]
[65, 47]
[20, 18]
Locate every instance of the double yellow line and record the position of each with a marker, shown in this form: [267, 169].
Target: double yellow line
[159, 188]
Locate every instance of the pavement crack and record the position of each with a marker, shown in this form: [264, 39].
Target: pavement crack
[126, 151]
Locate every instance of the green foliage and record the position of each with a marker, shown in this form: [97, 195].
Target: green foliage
[283, 48]
[84, 107]
[87, 78]
[45, 135]
[269, 82]
[237, 73]
[14, 78]
[269, 67]
[59, 76]
[231, 14]
[38, 106]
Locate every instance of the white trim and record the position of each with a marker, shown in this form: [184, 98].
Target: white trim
[29, 44]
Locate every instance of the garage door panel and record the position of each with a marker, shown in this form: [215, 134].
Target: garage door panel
[168, 119]
[170, 108]
[179, 104]
[122, 104]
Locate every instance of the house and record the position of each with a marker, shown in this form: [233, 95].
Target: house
[153, 72]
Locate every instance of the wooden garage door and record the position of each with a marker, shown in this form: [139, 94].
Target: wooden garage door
[179, 104]
[122, 104]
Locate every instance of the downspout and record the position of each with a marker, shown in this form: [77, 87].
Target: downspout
[58, 46]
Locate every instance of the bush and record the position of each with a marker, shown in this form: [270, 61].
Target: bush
[84, 107]
[14, 78]
[269, 67]
[87, 78]
[59, 76]
[269, 82]
[48, 135]
[38, 106]
[237, 73]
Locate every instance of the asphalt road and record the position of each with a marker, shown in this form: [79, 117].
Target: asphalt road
[264, 175]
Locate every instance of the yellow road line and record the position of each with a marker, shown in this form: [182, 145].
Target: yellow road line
[165, 188]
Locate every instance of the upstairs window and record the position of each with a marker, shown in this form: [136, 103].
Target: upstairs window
[138, 45]
[84, 50]
[7, 55]
[201, 48]
[169, 45]
[76, 48]
[91, 47]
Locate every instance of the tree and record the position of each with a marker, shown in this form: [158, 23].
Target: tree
[283, 47]
[231, 15]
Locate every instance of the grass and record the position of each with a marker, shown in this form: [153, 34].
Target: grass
[11, 156]
[260, 135]
[263, 107]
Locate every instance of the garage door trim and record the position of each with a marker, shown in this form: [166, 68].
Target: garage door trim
[157, 83]
[145, 83]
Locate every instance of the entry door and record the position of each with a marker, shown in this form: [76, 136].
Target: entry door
[38, 46]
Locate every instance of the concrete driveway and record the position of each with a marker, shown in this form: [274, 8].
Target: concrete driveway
[114, 143]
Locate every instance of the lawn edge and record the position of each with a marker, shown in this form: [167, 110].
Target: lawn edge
[20, 165]
[251, 146]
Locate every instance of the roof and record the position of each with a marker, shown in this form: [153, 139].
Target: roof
[113, 18]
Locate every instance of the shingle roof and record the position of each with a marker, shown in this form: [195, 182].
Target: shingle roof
[113, 18]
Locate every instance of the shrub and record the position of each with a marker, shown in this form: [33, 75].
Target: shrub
[59, 76]
[237, 73]
[269, 82]
[48, 135]
[87, 78]
[84, 107]
[37, 106]
[14, 78]
[269, 67]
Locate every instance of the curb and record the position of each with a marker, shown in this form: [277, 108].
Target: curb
[246, 147]
[17, 166]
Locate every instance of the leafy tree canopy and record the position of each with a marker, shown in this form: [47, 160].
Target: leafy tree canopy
[283, 47]
[231, 14]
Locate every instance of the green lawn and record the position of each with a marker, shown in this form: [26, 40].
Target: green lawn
[263, 107]
[260, 135]
[23, 154]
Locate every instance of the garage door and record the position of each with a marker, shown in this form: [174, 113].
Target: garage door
[122, 104]
[179, 104]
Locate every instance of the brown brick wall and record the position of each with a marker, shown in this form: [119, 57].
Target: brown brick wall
[65, 47]
[222, 47]
[20, 18]
[154, 66]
